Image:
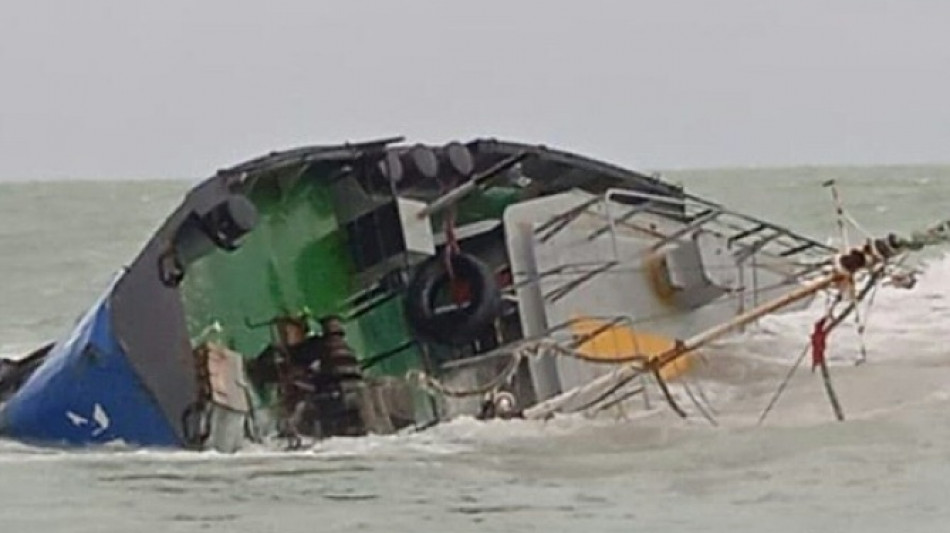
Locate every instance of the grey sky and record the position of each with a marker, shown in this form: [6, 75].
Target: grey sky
[180, 88]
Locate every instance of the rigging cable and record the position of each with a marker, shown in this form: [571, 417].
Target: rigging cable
[870, 284]
[841, 216]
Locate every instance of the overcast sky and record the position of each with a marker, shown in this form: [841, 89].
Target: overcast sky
[124, 88]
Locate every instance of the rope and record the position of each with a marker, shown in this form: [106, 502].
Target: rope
[783, 385]
[862, 327]
[702, 394]
[839, 212]
[433, 385]
[936, 234]
[669, 396]
[604, 395]
[699, 406]
[625, 396]
[829, 389]
[861, 324]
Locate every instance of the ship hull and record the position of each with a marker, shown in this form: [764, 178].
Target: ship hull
[85, 393]
[294, 296]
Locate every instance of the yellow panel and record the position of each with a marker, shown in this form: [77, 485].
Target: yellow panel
[618, 343]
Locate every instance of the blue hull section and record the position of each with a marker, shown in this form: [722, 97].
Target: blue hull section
[86, 392]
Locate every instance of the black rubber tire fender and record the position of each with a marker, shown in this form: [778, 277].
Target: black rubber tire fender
[459, 326]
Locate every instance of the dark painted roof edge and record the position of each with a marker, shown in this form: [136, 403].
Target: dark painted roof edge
[282, 158]
[570, 158]
[303, 154]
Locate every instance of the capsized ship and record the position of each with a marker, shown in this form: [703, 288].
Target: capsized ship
[383, 286]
